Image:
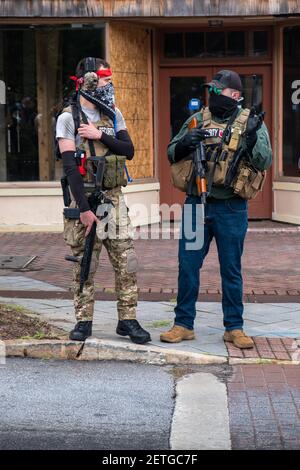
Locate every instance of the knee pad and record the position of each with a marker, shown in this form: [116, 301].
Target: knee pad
[132, 262]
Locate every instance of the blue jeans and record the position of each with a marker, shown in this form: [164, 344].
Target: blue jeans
[227, 221]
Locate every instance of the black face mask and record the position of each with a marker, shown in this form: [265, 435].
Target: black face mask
[221, 106]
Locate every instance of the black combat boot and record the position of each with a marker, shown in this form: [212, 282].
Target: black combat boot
[82, 330]
[133, 329]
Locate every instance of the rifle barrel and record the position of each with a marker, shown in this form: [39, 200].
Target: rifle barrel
[87, 256]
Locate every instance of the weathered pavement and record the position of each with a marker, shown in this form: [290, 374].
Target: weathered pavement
[111, 405]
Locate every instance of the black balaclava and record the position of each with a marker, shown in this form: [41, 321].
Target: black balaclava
[221, 106]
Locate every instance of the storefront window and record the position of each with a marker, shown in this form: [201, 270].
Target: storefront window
[179, 45]
[35, 66]
[19, 136]
[258, 43]
[182, 90]
[236, 43]
[194, 44]
[291, 102]
[174, 45]
[215, 44]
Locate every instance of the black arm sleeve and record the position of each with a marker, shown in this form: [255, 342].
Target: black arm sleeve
[119, 145]
[75, 180]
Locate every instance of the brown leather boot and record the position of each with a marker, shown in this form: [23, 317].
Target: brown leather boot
[238, 338]
[176, 334]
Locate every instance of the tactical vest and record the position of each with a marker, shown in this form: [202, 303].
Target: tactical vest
[114, 164]
[218, 157]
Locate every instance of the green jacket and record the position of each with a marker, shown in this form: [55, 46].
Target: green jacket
[261, 157]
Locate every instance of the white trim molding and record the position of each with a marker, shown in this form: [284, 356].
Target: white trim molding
[286, 186]
[286, 202]
[28, 207]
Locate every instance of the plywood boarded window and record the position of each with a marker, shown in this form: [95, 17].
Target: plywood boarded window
[130, 59]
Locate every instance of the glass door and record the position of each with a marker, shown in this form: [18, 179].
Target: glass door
[19, 137]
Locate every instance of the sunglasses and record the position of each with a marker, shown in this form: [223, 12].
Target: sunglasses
[214, 89]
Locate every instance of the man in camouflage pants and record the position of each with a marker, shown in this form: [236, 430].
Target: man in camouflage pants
[107, 130]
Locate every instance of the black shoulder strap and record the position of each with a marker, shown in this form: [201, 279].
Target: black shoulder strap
[227, 130]
[76, 117]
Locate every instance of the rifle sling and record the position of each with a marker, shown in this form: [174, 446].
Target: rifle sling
[85, 120]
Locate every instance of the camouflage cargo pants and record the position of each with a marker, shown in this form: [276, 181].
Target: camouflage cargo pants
[120, 248]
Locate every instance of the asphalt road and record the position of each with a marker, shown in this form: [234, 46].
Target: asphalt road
[84, 405]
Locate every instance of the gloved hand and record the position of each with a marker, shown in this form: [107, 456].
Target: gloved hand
[193, 137]
[254, 123]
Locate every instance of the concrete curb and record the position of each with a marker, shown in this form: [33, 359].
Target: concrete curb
[99, 350]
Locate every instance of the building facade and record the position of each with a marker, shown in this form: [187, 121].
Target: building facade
[161, 52]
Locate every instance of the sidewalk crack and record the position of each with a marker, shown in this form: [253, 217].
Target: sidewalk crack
[80, 350]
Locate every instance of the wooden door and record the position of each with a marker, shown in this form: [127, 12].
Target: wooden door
[177, 87]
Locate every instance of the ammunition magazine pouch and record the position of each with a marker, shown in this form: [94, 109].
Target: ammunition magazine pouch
[223, 156]
[217, 171]
[249, 181]
[181, 173]
[114, 171]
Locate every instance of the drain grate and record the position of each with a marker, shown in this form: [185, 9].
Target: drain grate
[15, 262]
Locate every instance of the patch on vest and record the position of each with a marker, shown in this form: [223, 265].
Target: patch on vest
[215, 132]
[107, 130]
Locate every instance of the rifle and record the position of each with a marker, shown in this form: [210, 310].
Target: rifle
[241, 153]
[96, 199]
[199, 165]
[233, 167]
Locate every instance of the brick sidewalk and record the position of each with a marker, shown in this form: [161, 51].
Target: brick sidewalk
[264, 407]
[269, 265]
[285, 349]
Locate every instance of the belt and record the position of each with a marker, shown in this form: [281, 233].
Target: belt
[213, 200]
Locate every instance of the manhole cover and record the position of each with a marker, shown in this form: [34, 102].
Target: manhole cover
[15, 262]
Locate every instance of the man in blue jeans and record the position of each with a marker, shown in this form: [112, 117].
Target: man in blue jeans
[226, 214]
